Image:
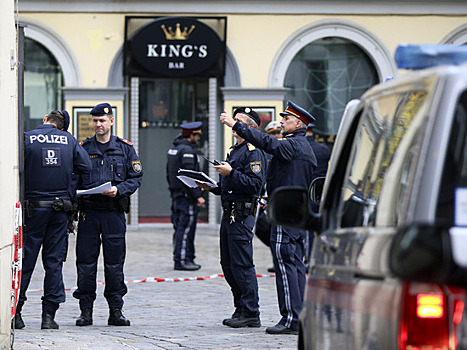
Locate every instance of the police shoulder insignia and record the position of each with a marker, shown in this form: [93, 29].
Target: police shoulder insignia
[255, 167]
[251, 147]
[125, 141]
[137, 167]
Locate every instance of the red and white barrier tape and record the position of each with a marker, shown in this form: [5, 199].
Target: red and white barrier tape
[156, 279]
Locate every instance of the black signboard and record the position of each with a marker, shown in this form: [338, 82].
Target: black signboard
[175, 47]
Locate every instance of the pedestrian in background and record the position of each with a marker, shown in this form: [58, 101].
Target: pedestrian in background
[51, 156]
[102, 217]
[292, 164]
[185, 200]
[241, 179]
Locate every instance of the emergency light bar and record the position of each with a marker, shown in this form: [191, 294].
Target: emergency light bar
[426, 56]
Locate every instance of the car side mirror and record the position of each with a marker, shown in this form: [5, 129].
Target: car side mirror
[290, 206]
[316, 190]
[422, 252]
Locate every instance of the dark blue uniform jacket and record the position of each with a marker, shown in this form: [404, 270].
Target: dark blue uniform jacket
[293, 161]
[247, 176]
[182, 156]
[322, 154]
[57, 151]
[119, 164]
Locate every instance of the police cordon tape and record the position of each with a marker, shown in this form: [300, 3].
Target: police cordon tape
[156, 279]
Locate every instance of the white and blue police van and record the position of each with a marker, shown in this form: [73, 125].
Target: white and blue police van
[388, 268]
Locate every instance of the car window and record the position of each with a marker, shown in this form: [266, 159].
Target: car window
[454, 179]
[383, 158]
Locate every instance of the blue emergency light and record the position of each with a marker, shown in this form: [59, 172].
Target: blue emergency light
[426, 56]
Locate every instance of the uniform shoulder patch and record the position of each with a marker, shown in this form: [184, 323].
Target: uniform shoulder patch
[84, 141]
[125, 141]
[136, 165]
[255, 167]
[251, 147]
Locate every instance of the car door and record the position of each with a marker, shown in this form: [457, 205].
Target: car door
[354, 299]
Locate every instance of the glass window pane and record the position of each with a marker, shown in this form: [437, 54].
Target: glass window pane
[42, 83]
[327, 74]
[455, 165]
[384, 156]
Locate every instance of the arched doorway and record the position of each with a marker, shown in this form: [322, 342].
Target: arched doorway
[325, 75]
[43, 79]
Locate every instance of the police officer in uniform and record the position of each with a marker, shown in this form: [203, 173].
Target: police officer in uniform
[102, 217]
[241, 180]
[321, 152]
[293, 163]
[185, 200]
[323, 155]
[50, 158]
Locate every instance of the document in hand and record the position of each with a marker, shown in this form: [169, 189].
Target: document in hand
[95, 190]
[188, 177]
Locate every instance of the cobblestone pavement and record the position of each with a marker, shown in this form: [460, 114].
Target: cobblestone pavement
[163, 315]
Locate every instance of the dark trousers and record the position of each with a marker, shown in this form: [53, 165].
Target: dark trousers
[184, 217]
[95, 227]
[288, 252]
[236, 250]
[47, 228]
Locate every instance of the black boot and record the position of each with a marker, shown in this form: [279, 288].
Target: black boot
[236, 314]
[85, 319]
[19, 323]
[48, 321]
[116, 318]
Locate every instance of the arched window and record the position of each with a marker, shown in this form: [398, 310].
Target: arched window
[43, 80]
[325, 75]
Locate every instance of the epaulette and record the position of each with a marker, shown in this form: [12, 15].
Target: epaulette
[84, 141]
[126, 141]
[251, 147]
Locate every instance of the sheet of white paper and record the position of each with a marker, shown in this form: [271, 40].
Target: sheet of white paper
[96, 190]
[191, 182]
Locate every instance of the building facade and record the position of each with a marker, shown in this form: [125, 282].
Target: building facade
[148, 59]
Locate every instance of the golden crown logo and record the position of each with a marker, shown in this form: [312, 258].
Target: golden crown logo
[178, 34]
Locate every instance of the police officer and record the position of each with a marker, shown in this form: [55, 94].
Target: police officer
[242, 176]
[321, 152]
[50, 158]
[323, 155]
[293, 163]
[185, 200]
[102, 217]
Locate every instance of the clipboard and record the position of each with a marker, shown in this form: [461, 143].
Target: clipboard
[188, 177]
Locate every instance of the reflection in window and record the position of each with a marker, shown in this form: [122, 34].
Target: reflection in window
[384, 156]
[42, 83]
[455, 165]
[327, 74]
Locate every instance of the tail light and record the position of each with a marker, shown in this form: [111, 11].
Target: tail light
[429, 316]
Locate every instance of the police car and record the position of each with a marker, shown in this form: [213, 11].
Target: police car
[388, 265]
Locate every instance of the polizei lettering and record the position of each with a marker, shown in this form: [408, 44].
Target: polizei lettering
[49, 139]
[186, 51]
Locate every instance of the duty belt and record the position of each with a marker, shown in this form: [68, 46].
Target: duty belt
[57, 204]
[242, 208]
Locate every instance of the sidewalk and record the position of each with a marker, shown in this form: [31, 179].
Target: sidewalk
[163, 315]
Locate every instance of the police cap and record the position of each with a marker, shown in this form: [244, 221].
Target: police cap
[310, 127]
[249, 112]
[299, 112]
[273, 127]
[101, 109]
[191, 128]
[66, 117]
